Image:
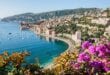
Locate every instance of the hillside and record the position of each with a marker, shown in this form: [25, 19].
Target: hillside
[32, 17]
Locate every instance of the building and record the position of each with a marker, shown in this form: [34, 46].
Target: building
[77, 37]
[102, 21]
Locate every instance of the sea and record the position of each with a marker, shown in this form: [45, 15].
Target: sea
[42, 49]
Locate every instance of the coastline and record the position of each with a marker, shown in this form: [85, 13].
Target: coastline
[49, 65]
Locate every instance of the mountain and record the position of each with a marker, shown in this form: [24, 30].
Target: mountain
[32, 17]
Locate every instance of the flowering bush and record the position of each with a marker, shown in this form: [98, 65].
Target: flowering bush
[86, 44]
[94, 58]
[11, 62]
[83, 57]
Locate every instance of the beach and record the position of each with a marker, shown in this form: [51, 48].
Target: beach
[70, 43]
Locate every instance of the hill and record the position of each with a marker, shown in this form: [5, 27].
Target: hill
[32, 17]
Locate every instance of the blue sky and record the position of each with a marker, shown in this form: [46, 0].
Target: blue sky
[12, 7]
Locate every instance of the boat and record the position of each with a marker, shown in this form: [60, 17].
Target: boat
[9, 33]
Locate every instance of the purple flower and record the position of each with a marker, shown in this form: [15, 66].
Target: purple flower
[108, 45]
[107, 66]
[108, 48]
[92, 49]
[108, 51]
[101, 49]
[86, 44]
[98, 65]
[83, 57]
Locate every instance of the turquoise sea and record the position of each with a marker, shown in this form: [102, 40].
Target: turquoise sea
[44, 49]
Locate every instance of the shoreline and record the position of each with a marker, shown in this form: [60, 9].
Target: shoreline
[49, 65]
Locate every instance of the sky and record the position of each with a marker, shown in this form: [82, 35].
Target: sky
[13, 7]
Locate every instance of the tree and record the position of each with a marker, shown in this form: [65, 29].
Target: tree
[61, 29]
[73, 28]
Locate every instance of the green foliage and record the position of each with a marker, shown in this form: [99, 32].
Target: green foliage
[61, 29]
[34, 68]
[73, 28]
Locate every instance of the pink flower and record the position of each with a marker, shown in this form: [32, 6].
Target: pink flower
[101, 54]
[86, 44]
[92, 49]
[108, 45]
[83, 57]
[101, 49]
[108, 51]
[107, 66]
[108, 48]
[76, 66]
